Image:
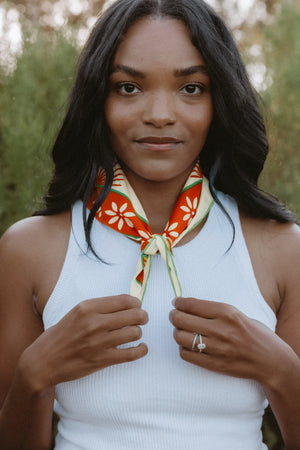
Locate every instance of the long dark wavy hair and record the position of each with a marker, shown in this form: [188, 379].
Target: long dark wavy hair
[236, 147]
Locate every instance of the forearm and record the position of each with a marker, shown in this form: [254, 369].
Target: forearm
[26, 415]
[283, 393]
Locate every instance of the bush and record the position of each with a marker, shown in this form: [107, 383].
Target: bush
[281, 48]
[32, 100]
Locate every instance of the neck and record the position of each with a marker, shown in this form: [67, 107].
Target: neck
[158, 200]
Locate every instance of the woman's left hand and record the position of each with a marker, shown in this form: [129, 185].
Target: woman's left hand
[234, 343]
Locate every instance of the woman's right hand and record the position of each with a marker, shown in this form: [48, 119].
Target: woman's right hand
[85, 340]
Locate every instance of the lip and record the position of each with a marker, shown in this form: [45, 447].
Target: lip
[158, 142]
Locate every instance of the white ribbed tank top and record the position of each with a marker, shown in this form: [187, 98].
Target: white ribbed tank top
[160, 402]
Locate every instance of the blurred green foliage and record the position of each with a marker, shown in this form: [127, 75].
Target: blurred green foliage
[281, 49]
[32, 100]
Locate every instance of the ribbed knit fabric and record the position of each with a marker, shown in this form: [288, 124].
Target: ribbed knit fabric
[160, 402]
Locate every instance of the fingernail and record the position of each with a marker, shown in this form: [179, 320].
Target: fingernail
[173, 301]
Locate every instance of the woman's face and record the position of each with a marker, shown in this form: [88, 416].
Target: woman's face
[159, 107]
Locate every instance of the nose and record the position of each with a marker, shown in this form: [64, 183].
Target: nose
[159, 110]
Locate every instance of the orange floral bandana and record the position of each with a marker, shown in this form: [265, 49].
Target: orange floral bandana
[123, 212]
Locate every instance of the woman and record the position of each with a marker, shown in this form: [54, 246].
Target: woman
[160, 88]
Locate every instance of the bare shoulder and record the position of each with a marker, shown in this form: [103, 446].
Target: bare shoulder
[275, 252]
[275, 238]
[39, 229]
[32, 251]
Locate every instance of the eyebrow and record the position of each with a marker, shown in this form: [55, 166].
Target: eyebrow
[177, 72]
[190, 71]
[128, 70]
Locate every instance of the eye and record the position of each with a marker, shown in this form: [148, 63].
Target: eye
[193, 89]
[127, 88]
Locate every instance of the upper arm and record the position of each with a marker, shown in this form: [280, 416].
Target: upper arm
[274, 249]
[288, 317]
[19, 324]
[31, 257]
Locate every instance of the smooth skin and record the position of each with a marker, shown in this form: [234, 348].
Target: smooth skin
[156, 99]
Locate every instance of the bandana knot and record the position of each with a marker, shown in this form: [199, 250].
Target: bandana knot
[155, 244]
[122, 211]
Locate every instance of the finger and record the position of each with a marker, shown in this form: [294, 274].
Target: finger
[204, 308]
[123, 336]
[122, 355]
[189, 322]
[209, 361]
[107, 305]
[187, 340]
[199, 358]
[125, 318]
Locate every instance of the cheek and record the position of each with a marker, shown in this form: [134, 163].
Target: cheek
[111, 115]
[115, 117]
[117, 122]
[118, 116]
[198, 129]
[200, 123]
[197, 118]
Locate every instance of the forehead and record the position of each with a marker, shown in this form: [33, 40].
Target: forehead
[158, 41]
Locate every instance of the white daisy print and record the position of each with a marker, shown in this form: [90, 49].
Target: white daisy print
[119, 215]
[190, 209]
